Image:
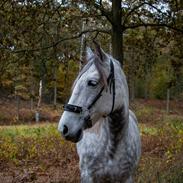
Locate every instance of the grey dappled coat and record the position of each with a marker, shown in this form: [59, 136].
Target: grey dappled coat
[110, 150]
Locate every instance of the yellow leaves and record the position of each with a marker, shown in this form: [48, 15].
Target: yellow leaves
[6, 83]
[169, 156]
[8, 149]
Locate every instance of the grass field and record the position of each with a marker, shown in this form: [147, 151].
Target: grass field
[37, 153]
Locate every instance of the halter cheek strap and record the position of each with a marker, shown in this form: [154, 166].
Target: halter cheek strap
[111, 83]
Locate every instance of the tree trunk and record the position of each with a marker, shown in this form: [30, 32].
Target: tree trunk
[18, 107]
[55, 89]
[55, 96]
[117, 32]
[31, 88]
[146, 80]
[40, 93]
[146, 89]
[132, 90]
[168, 101]
[32, 94]
[37, 115]
[31, 103]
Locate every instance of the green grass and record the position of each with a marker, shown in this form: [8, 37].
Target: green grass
[33, 131]
[148, 130]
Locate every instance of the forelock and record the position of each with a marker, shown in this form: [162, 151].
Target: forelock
[99, 66]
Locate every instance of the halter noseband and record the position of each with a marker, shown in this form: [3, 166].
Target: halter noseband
[78, 109]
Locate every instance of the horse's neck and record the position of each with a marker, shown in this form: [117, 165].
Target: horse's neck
[115, 130]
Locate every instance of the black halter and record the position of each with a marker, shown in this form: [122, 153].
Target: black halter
[110, 82]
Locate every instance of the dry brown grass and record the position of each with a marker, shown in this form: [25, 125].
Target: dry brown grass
[8, 112]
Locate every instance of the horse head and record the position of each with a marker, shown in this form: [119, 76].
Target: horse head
[93, 95]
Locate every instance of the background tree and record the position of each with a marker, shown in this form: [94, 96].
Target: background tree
[44, 37]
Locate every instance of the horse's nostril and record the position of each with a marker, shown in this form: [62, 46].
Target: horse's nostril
[65, 130]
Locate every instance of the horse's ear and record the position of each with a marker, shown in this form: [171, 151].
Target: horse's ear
[100, 52]
[89, 53]
[87, 57]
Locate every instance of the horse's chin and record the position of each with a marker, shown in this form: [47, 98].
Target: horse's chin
[75, 139]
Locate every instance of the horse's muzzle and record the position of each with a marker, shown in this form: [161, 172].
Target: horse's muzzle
[74, 137]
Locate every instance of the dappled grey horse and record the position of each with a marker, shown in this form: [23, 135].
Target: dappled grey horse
[98, 119]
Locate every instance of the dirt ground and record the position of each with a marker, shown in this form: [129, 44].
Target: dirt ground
[53, 174]
[63, 168]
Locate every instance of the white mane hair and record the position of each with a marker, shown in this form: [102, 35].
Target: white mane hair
[110, 150]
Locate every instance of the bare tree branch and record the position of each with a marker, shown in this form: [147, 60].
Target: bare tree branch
[59, 41]
[104, 12]
[153, 25]
[131, 11]
[138, 6]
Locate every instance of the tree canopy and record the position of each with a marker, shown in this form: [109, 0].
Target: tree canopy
[40, 40]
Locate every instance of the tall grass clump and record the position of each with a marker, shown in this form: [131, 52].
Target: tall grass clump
[31, 143]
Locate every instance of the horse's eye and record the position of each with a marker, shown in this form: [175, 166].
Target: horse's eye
[92, 83]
